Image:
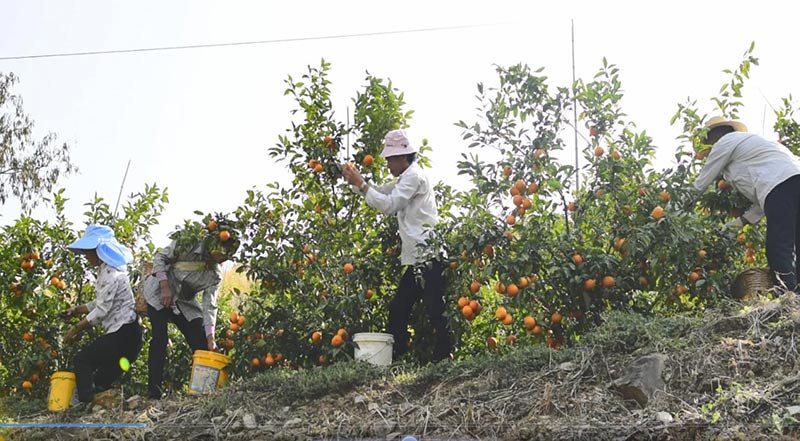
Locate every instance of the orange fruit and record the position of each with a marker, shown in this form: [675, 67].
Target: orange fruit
[224, 235]
[317, 209]
[529, 322]
[269, 360]
[594, 131]
[664, 195]
[578, 259]
[512, 290]
[368, 160]
[608, 282]
[615, 155]
[508, 320]
[475, 305]
[328, 140]
[539, 153]
[511, 220]
[488, 250]
[212, 226]
[536, 330]
[701, 254]
[369, 294]
[507, 170]
[475, 286]
[589, 284]
[27, 336]
[572, 206]
[510, 340]
[521, 211]
[55, 281]
[318, 168]
[241, 320]
[627, 210]
[27, 264]
[520, 185]
[337, 341]
[234, 317]
[642, 192]
[234, 327]
[599, 151]
[526, 203]
[517, 200]
[255, 362]
[34, 377]
[500, 288]
[467, 312]
[514, 191]
[657, 213]
[27, 384]
[643, 281]
[323, 360]
[555, 318]
[694, 276]
[342, 333]
[523, 282]
[316, 336]
[348, 268]
[462, 302]
[453, 265]
[501, 313]
[62, 284]
[723, 184]
[491, 342]
[533, 187]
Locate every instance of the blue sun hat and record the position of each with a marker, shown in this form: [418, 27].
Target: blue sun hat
[109, 250]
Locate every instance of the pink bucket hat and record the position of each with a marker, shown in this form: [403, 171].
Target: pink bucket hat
[396, 143]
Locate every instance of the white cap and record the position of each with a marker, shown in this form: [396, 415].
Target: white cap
[396, 143]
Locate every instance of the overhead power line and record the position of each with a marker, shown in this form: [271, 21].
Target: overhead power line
[238, 43]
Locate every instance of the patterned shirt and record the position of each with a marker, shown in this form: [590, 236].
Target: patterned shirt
[186, 284]
[113, 305]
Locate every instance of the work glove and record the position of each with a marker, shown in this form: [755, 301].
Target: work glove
[731, 228]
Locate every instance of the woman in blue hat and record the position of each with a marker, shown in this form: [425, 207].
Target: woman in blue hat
[100, 363]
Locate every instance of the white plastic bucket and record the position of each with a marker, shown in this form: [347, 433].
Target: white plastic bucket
[374, 347]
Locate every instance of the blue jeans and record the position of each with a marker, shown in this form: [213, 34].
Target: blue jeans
[782, 208]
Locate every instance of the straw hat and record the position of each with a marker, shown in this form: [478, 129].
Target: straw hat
[718, 121]
[396, 143]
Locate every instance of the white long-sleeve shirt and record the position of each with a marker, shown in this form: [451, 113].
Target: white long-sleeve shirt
[412, 199]
[752, 164]
[113, 305]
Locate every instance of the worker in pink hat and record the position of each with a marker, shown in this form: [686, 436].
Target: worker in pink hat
[412, 200]
[767, 174]
[101, 363]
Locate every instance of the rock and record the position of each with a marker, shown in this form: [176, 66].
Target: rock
[249, 421]
[793, 411]
[642, 379]
[237, 426]
[358, 399]
[292, 422]
[372, 407]
[664, 417]
[567, 366]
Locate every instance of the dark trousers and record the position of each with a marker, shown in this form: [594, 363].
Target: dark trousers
[191, 330]
[782, 209]
[97, 365]
[432, 292]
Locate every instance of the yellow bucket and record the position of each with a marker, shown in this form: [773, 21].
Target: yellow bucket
[62, 386]
[208, 371]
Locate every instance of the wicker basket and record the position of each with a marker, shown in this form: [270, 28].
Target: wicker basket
[751, 282]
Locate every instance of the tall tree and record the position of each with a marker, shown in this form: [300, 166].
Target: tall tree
[28, 167]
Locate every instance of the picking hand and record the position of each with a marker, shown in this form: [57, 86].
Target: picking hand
[72, 335]
[166, 295]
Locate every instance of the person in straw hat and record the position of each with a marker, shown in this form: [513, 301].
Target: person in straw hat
[187, 267]
[412, 200]
[100, 363]
[767, 174]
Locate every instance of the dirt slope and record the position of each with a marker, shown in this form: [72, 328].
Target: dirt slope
[730, 374]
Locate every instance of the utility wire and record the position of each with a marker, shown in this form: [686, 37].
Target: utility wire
[240, 43]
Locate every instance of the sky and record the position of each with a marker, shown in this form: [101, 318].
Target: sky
[199, 122]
